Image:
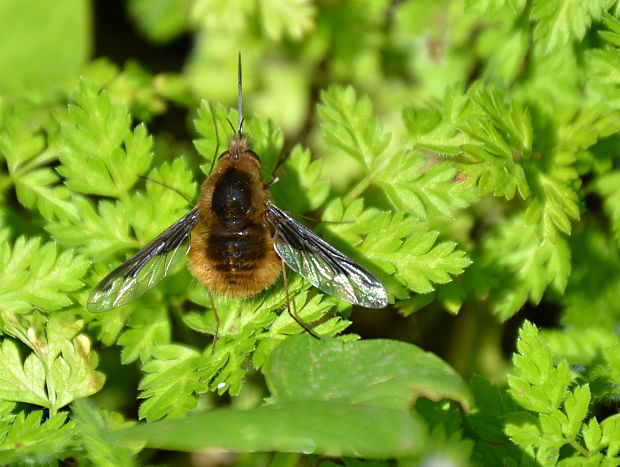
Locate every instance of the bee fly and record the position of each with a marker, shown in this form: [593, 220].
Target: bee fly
[239, 242]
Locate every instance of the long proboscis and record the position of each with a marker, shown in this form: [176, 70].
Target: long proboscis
[240, 95]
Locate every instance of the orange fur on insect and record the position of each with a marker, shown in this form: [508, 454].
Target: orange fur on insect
[231, 248]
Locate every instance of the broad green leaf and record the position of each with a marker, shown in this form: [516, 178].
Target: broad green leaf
[327, 428]
[50, 44]
[370, 372]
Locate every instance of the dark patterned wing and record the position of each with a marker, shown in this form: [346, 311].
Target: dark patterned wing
[146, 268]
[322, 265]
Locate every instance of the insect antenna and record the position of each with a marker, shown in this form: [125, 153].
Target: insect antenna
[149, 179]
[217, 137]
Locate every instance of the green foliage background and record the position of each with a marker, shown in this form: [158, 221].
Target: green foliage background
[468, 152]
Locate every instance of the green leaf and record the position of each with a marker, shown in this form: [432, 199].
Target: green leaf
[94, 428]
[150, 327]
[54, 42]
[537, 385]
[611, 435]
[592, 289]
[243, 330]
[230, 17]
[102, 155]
[319, 427]
[60, 368]
[576, 407]
[32, 274]
[349, 124]
[152, 212]
[556, 201]
[502, 137]
[278, 19]
[267, 141]
[562, 21]
[372, 373]
[436, 128]
[28, 440]
[522, 428]
[171, 382]
[395, 244]
[608, 186]
[423, 192]
[300, 188]
[490, 7]
[21, 381]
[160, 20]
[102, 232]
[36, 185]
[508, 116]
[214, 130]
[106, 232]
[532, 255]
[71, 374]
[214, 126]
[293, 18]
[592, 435]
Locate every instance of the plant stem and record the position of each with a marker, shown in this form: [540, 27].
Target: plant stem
[357, 190]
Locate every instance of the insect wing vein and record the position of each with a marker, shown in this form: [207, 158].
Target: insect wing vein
[322, 265]
[146, 268]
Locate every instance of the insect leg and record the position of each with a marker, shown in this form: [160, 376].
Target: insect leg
[217, 320]
[273, 181]
[288, 304]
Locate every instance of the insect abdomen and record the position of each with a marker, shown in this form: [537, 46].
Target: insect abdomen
[236, 251]
[234, 263]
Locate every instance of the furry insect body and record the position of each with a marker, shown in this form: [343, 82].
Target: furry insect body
[232, 246]
[239, 242]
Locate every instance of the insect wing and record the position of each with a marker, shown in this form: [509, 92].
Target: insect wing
[146, 268]
[322, 265]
